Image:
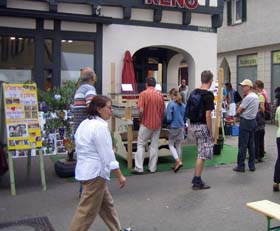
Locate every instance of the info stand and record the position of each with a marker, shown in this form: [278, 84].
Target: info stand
[23, 130]
[12, 173]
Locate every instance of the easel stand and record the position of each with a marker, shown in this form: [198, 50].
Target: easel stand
[12, 172]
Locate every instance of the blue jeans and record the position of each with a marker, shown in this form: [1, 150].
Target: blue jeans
[276, 176]
[246, 140]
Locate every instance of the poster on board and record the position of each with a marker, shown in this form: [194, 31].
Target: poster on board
[21, 116]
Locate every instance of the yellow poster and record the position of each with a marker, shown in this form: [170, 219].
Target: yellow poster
[21, 114]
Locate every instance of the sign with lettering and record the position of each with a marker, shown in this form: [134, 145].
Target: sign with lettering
[247, 60]
[276, 57]
[21, 114]
[189, 4]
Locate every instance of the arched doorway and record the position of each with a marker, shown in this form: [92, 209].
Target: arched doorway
[167, 64]
[227, 73]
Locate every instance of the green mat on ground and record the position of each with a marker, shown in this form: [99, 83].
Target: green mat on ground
[227, 156]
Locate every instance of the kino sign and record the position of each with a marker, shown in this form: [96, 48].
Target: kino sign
[190, 4]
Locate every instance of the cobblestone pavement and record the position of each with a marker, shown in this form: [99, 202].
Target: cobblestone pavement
[162, 201]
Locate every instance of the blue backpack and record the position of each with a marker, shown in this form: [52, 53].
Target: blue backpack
[195, 108]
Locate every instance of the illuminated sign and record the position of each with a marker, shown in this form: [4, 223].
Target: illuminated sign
[190, 4]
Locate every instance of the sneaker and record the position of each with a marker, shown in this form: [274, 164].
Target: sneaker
[236, 169]
[252, 169]
[127, 229]
[275, 187]
[200, 186]
[135, 172]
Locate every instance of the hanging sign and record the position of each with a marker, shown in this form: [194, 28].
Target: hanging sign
[21, 115]
[189, 4]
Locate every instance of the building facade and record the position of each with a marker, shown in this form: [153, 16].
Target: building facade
[50, 40]
[248, 42]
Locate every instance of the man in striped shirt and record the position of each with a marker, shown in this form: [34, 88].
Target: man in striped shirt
[82, 98]
[84, 95]
[151, 111]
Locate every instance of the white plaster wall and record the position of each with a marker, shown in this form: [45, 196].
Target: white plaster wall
[172, 70]
[264, 71]
[201, 46]
[27, 23]
[260, 29]
[76, 26]
[201, 20]
[22, 4]
[74, 8]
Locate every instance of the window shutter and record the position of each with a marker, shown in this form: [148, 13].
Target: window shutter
[229, 16]
[244, 10]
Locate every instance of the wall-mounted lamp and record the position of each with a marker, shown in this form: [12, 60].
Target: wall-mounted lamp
[98, 10]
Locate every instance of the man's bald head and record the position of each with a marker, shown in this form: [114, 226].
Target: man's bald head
[88, 75]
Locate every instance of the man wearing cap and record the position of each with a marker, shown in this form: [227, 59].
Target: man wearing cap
[248, 110]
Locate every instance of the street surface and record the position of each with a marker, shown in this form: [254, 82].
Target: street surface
[162, 201]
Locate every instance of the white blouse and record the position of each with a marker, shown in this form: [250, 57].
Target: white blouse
[95, 156]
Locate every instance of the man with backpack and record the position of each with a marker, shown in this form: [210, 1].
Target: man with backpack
[200, 104]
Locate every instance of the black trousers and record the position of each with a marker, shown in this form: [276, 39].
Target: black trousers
[259, 144]
[276, 177]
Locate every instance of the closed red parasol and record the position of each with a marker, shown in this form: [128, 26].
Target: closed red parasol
[128, 75]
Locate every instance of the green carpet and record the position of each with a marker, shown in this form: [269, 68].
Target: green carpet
[227, 156]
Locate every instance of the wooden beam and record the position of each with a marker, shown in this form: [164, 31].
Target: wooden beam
[3, 3]
[127, 12]
[157, 15]
[187, 16]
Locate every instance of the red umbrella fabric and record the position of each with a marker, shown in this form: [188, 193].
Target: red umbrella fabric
[128, 75]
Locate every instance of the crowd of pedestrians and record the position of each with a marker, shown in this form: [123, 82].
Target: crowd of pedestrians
[96, 159]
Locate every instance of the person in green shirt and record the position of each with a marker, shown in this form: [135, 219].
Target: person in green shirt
[276, 177]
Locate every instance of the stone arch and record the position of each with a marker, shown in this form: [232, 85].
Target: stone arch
[171, 58]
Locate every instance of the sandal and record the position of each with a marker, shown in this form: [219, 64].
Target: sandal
[177, 167]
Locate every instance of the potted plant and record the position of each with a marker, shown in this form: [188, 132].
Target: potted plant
[56, 104]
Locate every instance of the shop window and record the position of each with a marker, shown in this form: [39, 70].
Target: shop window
[275, 79]
[74, 56]
[236, 11]
[16, 59]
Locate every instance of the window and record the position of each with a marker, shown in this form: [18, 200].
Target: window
[236, 11]
[75, 55]
[16, 59]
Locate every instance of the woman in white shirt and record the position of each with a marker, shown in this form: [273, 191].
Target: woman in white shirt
[95, 160]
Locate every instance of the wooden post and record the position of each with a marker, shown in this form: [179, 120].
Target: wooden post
[42, 170]
[12, 174]
[113, 90]
[219, 104]
[129, 135]
[28, 163]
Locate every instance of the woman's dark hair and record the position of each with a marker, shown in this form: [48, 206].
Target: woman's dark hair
[97, 102]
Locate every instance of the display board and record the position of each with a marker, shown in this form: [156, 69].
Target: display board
[21, 117]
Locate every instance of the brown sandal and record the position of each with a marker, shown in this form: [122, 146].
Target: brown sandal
[177, 167]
